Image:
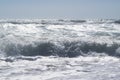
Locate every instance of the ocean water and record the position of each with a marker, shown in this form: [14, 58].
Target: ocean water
[59, 49]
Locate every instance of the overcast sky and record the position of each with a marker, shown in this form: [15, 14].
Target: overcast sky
[60, 9]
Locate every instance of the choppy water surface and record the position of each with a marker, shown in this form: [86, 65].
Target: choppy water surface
[59, 49]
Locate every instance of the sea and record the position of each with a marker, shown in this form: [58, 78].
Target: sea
[59, 49]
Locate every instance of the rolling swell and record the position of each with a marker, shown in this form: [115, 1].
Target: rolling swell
[67, 49]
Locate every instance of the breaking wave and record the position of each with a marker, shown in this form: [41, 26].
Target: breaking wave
[66, 49]
[61, 38]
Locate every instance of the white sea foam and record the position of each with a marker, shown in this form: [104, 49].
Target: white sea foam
[50, 68]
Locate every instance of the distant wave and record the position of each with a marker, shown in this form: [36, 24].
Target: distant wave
[59, 21]
[56, 22]
[78, 21]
